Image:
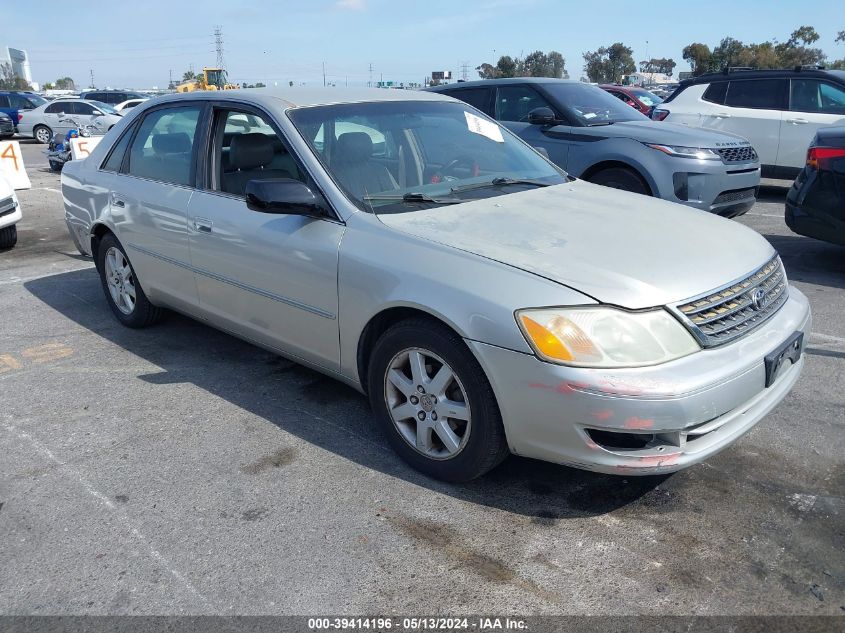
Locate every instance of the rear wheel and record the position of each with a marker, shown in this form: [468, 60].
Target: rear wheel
[8, 236]
[621, 178]
[124, 294]
[42, 134]
[434, 402]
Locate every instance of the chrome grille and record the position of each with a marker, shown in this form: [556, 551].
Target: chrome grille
[742, 154]
[727, 314]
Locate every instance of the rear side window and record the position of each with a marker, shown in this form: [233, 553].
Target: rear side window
[115, 159]
[515, 102]
[55, 108]
[812, 95]
[715, 92]
[163, 148]
[479, 98]
[762, 94]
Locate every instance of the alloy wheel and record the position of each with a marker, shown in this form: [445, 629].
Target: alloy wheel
[120, 280]
[427, 403]
[43, 135]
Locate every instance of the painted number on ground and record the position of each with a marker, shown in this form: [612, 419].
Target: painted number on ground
[46, 353]
[11, 165]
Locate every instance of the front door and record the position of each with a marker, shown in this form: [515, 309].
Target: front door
[513, 103]
[269, 277]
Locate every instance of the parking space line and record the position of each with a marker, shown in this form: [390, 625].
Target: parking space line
[120, 514]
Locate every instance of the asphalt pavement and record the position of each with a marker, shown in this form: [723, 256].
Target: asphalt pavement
[178, 470]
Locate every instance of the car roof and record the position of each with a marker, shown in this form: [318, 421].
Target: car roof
[818, 73]
[496, 82]
[299, 97]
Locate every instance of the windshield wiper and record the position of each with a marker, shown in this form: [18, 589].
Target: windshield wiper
[414, 196]
[600, 123]
[498, 182]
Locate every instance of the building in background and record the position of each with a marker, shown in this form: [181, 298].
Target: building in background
[19, 60]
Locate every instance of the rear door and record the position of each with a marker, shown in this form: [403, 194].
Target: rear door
[813, 103]
[270, 277]
[149, 199]
[55, 115]
[751, 108]
[513, 103]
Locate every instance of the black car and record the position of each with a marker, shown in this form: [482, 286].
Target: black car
[7, 128]
[112, 97]
[815, 204]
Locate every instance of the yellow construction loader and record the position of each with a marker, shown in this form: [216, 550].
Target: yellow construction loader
[210, 79]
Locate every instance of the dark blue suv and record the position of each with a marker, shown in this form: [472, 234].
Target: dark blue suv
[16, 104]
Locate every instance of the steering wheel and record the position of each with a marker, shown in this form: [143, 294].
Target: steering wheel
[465, 159]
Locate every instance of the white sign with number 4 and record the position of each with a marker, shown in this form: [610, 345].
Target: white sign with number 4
[82, 146]
[11, 165]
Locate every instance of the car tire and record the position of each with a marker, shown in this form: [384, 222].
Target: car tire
[8, 236]
[56, 165]
[120, 283]
[621, 178]
[462, 436]
[42, 134]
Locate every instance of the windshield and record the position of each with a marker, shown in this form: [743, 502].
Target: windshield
[590, 105]
[36, 100]
[646, 97]
[105, 107]
[402, 156]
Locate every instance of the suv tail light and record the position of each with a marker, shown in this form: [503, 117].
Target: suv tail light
[820, 157]
[658, 114]
[20, 117]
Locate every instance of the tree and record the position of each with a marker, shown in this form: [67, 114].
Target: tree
[65, 83]
[188, 75]
[506, 66]
[260, 85]
[796, 51]
[9, 80]
[609, 63]
[487, 71]
[698, 56]
[662, 65]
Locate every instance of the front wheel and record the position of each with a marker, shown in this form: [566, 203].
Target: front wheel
[124, 294]
[621, 178]
[434, 402]
[56, 165]
[42, 134]
[8, 236]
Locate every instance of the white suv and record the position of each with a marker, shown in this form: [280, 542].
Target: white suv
[10, 214]
[779, 111]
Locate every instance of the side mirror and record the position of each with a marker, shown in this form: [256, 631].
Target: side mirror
[542, 116]
[282, 195]
[98, 113]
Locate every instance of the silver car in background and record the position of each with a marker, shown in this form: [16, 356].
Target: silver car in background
[58, 116]
[409, 246]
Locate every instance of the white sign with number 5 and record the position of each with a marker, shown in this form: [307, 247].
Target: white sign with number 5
[82, 146]
[11, 165]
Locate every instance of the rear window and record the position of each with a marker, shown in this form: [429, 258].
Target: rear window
[716, 92]
[762, 94]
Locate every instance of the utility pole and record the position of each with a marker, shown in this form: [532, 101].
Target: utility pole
[370, 84]
[324, 74]
[92, 78]
[221, 63]
[170, 83]
[464, 70]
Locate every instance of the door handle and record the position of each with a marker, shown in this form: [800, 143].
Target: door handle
[202, 225]
[797, 121]
[117, 201]
[723, 115]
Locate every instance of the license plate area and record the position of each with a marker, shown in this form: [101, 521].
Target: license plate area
[790, 350]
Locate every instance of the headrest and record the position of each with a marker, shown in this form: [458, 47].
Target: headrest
[249, 151]
[354, 147]
[175, 143]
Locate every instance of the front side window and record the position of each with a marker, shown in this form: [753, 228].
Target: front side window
[4, 101]
[761, 94]
[812, 95]
[434, 153]
[163, 148]
[590, 105]
[82, 108]
[248, 148]
[513, 103]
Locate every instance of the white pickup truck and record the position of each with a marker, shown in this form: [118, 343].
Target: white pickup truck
[10, 214]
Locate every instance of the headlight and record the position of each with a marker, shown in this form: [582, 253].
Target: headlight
[686, 152]
[605, 337]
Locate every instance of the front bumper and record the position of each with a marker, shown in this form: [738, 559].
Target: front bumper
[643, 420]
[10, 215]
[728, 190]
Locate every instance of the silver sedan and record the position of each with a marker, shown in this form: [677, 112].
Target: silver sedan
[409, 246]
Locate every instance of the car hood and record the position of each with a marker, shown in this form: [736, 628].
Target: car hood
[666, 134]
[617, 247]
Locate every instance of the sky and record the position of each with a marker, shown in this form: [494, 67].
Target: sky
[137, 44]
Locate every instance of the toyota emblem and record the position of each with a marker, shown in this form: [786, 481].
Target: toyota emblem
[759, 300]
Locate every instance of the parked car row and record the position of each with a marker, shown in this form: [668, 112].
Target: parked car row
[595, 136]
[410, 246]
